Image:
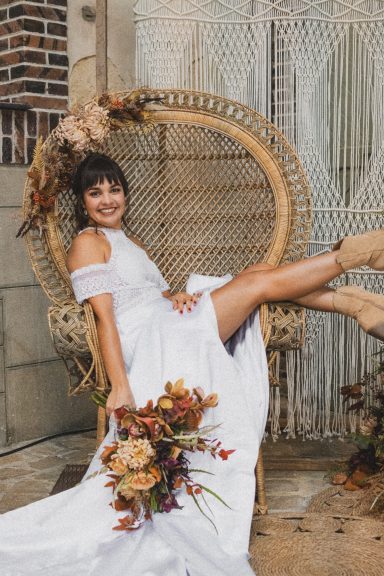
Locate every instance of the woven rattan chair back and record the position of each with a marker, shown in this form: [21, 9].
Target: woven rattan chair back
[214, 187]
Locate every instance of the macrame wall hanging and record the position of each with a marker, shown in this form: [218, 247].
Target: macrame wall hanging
[315, 69]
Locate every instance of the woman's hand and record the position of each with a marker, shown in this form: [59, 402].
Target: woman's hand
[119, 397]
[181, 299]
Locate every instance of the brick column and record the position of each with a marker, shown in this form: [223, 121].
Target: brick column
[33, 74]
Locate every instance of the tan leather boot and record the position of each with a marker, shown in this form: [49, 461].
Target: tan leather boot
[365, 307]
[365, 249]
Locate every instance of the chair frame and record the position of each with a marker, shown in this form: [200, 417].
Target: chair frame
[73, 327]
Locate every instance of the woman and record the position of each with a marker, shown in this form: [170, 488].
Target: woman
[148, 336]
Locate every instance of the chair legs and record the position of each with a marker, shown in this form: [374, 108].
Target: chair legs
[261, 506]
[101, 425]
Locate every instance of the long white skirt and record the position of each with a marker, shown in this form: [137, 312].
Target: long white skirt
[70, 534]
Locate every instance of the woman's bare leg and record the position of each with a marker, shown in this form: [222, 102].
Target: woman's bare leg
[321, 299]
[254, 286]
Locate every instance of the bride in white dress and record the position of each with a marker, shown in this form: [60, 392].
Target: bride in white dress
[149, 336]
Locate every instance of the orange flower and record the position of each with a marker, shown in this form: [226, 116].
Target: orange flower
[178, 483]
[107, 453]
[117, 103]
[118, 466]
[155, 472]
[142, 481]
[177, 389]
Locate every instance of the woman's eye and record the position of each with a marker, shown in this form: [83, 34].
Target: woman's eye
[94, 193]
[116, 189]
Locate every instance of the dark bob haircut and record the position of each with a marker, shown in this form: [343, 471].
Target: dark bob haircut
[93, 170]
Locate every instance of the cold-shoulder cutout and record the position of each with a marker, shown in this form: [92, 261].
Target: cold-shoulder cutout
[84, 251]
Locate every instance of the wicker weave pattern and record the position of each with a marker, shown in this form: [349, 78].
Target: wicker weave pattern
[214, 187]
[287, 327]
[69, 329]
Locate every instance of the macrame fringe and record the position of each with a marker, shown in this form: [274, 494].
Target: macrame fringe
[316, 69]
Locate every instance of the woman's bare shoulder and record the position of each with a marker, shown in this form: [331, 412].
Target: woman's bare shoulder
[89, 247]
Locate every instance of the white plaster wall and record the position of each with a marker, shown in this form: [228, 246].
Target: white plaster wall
[82, 47]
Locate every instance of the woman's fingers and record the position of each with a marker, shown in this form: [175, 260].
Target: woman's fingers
[182, 299]
[118, 398]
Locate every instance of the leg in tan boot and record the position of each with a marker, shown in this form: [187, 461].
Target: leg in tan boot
[304, 282]
[365, 307]
[366, 249]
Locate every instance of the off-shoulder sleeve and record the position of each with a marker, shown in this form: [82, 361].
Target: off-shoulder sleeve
[93, 280]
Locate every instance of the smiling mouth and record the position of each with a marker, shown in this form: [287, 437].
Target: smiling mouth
[107, 210]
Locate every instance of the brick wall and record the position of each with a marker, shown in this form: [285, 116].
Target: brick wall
[33, 74]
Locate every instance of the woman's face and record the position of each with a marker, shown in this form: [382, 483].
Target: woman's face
[105, 204]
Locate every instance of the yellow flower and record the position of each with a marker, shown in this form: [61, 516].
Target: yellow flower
[177, 389]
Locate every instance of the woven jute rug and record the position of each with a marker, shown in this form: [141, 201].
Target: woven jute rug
[317, 545]
[368, 501]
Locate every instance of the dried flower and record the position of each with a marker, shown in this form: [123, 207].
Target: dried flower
[135, 430]
[339, 478]
[143, 481]
[118, 465]
[71, 129]
[368, 426]
[95, 121]
[126, 490]
[136, 452]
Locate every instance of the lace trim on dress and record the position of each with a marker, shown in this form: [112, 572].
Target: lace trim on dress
[93, 280]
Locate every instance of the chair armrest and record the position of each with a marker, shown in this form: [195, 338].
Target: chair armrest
[287, 324]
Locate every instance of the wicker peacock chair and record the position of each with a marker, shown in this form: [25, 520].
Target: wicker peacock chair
[214, 187]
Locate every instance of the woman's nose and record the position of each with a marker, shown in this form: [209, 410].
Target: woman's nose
[106, 200]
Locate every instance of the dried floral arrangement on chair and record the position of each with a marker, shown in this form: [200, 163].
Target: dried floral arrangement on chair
[81, 131]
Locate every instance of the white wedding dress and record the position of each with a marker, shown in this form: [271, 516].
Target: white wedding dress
[70, 534]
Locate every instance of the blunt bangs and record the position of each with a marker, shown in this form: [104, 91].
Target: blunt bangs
[100, 168]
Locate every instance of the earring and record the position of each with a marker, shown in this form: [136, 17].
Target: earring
[85, 212]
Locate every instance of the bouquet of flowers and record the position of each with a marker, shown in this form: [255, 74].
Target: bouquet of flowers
[148, 462]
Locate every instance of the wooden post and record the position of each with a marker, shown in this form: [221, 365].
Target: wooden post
[101, 86]
[101, 47]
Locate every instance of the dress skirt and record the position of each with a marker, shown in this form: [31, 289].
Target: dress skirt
[71, 533]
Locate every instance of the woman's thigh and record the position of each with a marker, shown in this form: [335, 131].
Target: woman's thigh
[234, 301]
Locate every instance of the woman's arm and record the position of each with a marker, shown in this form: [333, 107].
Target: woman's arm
[91, 248]
[111, 352]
